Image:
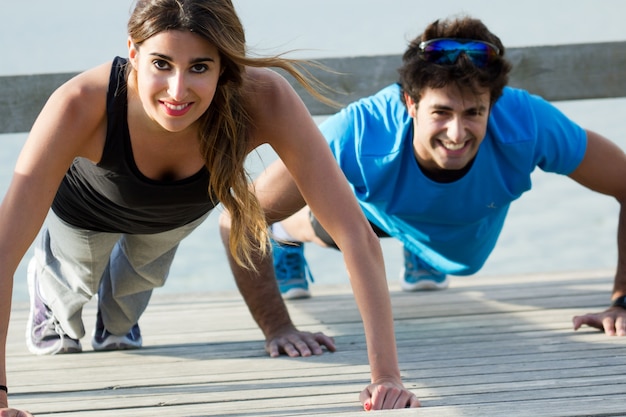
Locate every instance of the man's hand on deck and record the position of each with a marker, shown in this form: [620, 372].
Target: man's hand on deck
[612, 321]
[293, 343]
[387, 396]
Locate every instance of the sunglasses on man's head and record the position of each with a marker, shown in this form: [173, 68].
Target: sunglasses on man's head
[446, 51]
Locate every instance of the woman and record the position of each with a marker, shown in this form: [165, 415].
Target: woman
[133, 155]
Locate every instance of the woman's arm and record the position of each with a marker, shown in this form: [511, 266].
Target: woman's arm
[282, 120]
[71, 124]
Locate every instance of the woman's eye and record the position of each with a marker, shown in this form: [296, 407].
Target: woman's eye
[160, 64]
[199, 68]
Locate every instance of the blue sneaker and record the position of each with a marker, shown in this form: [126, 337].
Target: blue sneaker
[104, 340]
[44, 335]
[291, 269]
[418, 276]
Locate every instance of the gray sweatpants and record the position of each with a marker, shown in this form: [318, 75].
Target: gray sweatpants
[75, 264]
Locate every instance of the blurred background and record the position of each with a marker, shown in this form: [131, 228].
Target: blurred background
[558, 226]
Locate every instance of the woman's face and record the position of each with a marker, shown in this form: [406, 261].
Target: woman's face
[176, 77]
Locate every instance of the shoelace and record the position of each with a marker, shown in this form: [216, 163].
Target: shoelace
[50, 326]
[288, 262]
[421, 266]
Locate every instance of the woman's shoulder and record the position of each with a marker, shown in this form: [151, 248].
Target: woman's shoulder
[275, 109]
[268, 94]
[83, 97]
[266, 84]
[90, 83]
[78, 110]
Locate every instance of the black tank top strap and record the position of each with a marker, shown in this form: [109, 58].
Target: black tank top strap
[117, 111]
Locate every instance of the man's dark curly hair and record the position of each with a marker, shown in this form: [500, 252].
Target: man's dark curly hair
[417, 74]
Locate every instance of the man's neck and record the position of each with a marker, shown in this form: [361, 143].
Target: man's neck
[447, 175]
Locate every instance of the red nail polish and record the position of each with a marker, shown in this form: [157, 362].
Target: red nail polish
[367, 406]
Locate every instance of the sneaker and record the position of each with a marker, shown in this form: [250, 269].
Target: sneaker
[417, 275]
[44, 335]
[104, 340]
[291, 269]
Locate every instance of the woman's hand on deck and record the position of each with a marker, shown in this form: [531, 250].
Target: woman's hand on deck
[387, 396]
[12, 412]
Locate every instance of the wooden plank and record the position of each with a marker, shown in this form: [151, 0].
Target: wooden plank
[501, 350]
[562, 72]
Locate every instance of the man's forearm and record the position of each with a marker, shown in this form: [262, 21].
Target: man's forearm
[259, 290]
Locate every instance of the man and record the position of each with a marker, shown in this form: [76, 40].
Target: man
[436, 160]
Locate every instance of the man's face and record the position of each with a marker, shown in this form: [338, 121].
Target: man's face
[449, 126]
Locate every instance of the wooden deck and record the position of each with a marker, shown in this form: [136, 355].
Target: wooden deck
[488, 346]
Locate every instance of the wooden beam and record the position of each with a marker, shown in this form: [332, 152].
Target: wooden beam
[23, 97]
[563, 72]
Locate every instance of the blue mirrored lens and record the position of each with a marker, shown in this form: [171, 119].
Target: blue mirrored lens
[447, 51]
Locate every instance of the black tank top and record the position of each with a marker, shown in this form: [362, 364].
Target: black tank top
[113, 196]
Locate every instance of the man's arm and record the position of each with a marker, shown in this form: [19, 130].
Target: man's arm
[260, 292]
[603, 169]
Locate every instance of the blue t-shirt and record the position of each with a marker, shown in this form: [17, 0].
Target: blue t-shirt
[452, 226]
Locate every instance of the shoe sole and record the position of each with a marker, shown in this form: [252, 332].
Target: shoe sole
[68, 346]
[296, 294]
[423, 284]
[116, 343]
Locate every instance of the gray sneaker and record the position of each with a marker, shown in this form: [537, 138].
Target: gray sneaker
[44, 335]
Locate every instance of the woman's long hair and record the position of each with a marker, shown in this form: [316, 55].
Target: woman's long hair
[225, 126]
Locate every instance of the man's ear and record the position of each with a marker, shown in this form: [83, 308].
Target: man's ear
[411, 106]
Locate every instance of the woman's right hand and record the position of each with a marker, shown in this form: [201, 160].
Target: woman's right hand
[12, 412]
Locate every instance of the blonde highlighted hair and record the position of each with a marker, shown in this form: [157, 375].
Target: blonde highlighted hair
[224, 131]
